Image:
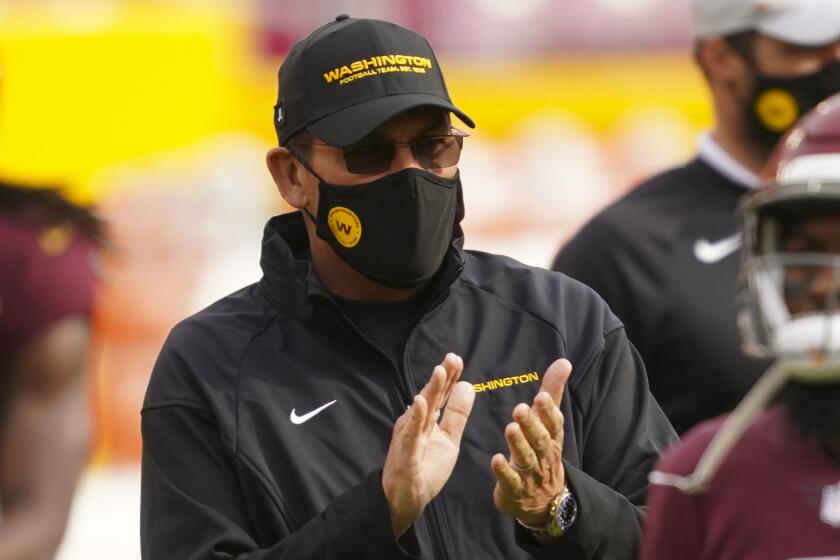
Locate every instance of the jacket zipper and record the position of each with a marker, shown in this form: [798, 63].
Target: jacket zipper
[403, 388]
[438, 525]
[406, 387]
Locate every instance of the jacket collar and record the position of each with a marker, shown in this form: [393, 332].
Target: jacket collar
[289, 280]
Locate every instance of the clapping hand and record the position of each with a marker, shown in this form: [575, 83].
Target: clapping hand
[533, 474]
[423, 452]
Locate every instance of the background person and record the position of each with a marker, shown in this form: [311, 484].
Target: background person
[48, 248]
[664, 257]
[776, 493]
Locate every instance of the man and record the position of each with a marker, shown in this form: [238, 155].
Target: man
[47, 279]
[310, 415]
[664, 256]
[776, 494]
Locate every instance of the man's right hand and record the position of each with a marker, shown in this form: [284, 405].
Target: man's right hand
[422, 453]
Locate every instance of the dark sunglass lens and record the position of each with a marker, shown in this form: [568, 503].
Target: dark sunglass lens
[438, 152]
[369, 158]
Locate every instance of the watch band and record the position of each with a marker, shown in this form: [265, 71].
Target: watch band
[562, 512]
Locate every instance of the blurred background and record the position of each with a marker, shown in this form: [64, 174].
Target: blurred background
[159, 112]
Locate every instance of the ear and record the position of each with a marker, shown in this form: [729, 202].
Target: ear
[288, 175]
[721, 65]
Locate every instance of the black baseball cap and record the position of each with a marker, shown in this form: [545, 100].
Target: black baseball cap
[348, 77]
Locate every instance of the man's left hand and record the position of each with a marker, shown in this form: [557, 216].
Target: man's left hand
[534, 473]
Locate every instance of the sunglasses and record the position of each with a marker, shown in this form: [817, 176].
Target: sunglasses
[371, 157]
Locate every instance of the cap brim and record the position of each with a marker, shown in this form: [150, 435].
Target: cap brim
[807, 24]
[350, 125]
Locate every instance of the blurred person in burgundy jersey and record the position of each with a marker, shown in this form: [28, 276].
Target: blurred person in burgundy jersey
[664, 257]
[48, 249]
[765, 484]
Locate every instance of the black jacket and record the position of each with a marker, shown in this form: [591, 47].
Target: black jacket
[227, 474]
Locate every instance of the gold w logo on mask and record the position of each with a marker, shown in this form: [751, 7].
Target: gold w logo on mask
[345, 226]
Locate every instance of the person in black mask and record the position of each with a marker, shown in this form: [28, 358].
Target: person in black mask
[664, 256]
[382, 392]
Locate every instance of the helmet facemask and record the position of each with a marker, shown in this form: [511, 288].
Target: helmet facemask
[790, 298]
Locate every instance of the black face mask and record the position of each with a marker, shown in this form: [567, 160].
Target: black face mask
[777, 103]
[394, 230]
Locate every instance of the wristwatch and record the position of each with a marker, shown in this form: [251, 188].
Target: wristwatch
[562, 511]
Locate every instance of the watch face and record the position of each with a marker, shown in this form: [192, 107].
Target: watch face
[566, 512]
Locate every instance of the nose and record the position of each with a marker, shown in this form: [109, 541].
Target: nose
[403, 159]
[823, 285]
[809, 289]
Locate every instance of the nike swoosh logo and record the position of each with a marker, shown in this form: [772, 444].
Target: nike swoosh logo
[711, 252]
[309, 415]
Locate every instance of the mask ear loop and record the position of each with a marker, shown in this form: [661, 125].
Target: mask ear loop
[309, 215]
[300, 160]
